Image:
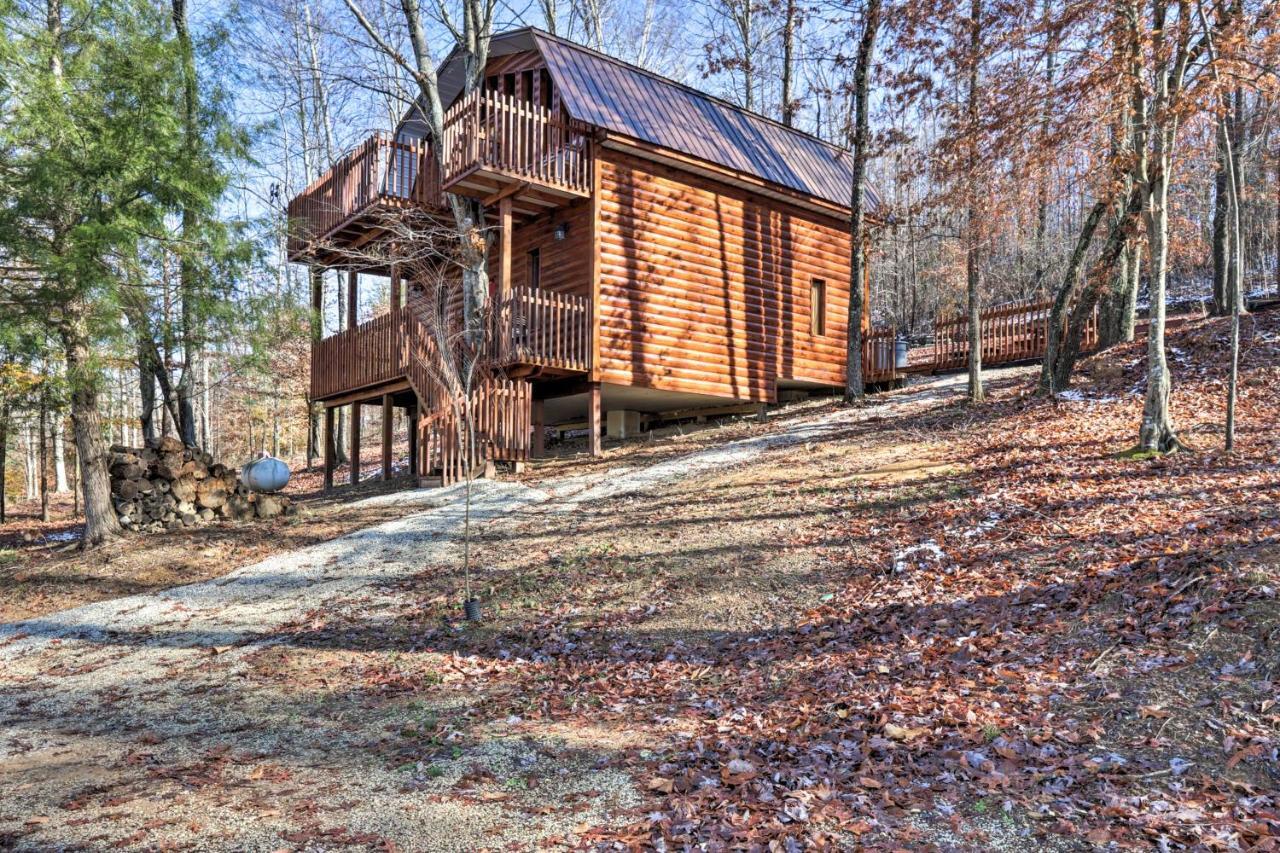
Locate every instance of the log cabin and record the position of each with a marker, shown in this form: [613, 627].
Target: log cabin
[655, 250]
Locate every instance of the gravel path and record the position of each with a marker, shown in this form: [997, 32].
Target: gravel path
[136, 720]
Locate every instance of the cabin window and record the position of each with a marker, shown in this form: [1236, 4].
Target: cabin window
[544, 86]
[818, 307]
[509, 84]
[491, 83]
[526, 86]
[533, 268]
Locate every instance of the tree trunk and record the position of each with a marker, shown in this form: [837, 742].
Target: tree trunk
[146, 391]
[788, 58]
[1057, 364]
[1221, 237]
[854, 387]
[1156, 432]
[1277, 226]
[1042, 190]
[973, 261]
[974, 291]
[188, 272]
[60, 485]
[1119, 304]
[43, 455]
[30, 488]
[4, 461]
[100, 522]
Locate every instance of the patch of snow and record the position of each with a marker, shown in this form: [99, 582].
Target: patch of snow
[1075, 395]
[929, 548]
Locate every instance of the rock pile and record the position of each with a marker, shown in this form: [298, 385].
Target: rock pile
[166, 485]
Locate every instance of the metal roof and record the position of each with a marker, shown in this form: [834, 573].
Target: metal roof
[630, 101]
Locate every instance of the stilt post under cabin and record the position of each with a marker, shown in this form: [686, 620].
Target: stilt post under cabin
[353, 290]
[539, 430]
[317, 301]
[328, 448]
[412, 417]
[593, 419]
[387, 414]
[355, 443]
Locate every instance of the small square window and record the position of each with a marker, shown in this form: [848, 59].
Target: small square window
[818, 307]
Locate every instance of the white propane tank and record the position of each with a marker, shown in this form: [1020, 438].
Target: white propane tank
[267, 474]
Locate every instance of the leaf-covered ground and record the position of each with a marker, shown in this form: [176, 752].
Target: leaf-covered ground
[939, 625]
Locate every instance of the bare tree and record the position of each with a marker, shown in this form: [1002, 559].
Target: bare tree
[447, 356]
[853, 386]
[470, 47]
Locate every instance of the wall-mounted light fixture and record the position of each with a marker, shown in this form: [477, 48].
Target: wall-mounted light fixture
[562, 231]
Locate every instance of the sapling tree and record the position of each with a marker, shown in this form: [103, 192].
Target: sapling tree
[446, 358]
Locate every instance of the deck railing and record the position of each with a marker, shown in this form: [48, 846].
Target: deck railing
[544, 328]
[355, 358]
[379, 171]
[501, 133]
[530, 326]
[1017, 331]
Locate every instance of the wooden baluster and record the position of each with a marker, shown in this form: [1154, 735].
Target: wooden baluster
[523, 133]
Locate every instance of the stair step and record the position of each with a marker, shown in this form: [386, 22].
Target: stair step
[430, 482]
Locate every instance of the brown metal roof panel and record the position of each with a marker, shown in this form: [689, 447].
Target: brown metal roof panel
[610, 94]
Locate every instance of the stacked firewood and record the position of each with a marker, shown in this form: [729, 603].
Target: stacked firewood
[166, 485]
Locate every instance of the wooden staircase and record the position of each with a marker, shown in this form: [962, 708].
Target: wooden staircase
[461, 434]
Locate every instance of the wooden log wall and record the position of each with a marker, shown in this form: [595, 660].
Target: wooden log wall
[705, 288]
[565, 264]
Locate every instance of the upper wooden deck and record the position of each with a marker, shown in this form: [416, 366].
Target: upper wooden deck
[495, 145]
[379, 176]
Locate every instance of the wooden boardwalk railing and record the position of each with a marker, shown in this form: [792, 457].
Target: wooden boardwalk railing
[543, 327]
[878, 353]
[493, 131]
[379, 172]
[1017, 331]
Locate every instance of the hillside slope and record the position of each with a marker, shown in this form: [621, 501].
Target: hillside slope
[920, 623]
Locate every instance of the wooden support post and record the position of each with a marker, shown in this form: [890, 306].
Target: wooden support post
[593, 419]
[317, 302]
[395, 287]
[539, 431]
[504, 225]
[411, 413]
[355, 443]
[388, 413]
[353, 288]
[329, 451]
